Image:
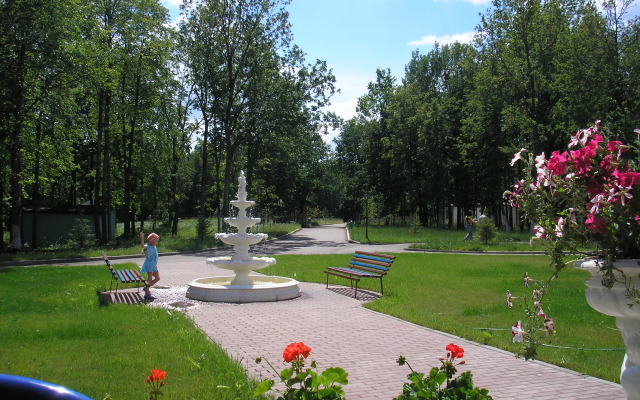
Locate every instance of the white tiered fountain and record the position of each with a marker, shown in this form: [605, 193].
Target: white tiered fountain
[243, 288]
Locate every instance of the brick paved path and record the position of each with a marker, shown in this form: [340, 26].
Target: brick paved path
[366, 344]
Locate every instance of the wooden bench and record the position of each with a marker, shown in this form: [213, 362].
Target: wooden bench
[123, 275]
[363, 265]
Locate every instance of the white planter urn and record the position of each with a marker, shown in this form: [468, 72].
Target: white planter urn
[613, 302]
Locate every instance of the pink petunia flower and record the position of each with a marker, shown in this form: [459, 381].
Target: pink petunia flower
[579, 138]
[558, 163]
[559, 229]
[583, 159]
[540, 161]
[517, 156]
[596, 139]
[594, 187]
[596, 203]
[519, 186]
[617, 146]
[595, 224]
[540, 233]
[626, 179]
[548, 326]
[509, 303]
[619, 194]
[539, 308]
[518, 332]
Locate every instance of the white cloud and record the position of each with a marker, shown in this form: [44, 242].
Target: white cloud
[353, 85]
[171, 3]
[345, 109]
[428, 40]
[479, 2]
[474, 2]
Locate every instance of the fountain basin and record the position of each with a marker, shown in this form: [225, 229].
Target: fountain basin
[242, 204]
[261, 288]
[242, 223]
[242, 265]
[241, 239]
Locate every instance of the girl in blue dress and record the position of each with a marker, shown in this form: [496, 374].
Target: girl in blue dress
[150, 266]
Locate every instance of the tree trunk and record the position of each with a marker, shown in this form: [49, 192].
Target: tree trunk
[175, 203]
[36, 187]
[17, 111]
[97, 201]
[16, 191]
[203, 181]
[128, 168]
[227, 179]
[106, 174]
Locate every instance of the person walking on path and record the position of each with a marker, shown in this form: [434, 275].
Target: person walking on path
[469, 222]
[150, 266]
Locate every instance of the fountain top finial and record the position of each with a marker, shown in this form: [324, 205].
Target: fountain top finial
[242, 187]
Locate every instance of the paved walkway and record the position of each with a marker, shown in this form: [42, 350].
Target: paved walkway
[343, 333]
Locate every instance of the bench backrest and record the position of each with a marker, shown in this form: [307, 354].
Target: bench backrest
[113, 271]
[371, 262]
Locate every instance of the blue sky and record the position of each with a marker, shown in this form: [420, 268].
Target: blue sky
[355, 37]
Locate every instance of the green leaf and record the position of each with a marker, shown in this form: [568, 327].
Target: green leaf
[263, 387]
[286, 374]
[440, 378]
[336, 374]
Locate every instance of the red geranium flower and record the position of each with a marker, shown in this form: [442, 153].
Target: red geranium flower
[296, 351]
[156, 381]
[456, 352]
[156, 375]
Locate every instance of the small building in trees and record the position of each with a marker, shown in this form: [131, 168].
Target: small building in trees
[61, 224]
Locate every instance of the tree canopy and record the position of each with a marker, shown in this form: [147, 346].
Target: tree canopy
[443, 138]
[104, 102]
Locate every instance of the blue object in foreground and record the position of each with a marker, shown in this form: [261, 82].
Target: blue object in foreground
[15, 387]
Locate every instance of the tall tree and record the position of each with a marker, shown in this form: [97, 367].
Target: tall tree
[127, 44]
[33, 41]
[237, 51]
[520, 41]
[176, 104]
[144, 77]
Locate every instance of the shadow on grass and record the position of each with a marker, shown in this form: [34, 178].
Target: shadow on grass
[363, 295]
[130, 298]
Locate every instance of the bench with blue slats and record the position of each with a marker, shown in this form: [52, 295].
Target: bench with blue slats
[363, 265]
[123, 275]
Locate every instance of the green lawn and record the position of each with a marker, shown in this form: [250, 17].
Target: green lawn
[443, 239]
[465, 295]
[53, 328]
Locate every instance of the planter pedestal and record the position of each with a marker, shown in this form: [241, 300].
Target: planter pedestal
[613, 302]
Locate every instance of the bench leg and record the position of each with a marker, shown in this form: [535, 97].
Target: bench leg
[381, 290]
